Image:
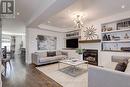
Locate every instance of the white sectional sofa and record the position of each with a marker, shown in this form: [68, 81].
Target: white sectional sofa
[108, 77]
[103, 77]
[40, 58]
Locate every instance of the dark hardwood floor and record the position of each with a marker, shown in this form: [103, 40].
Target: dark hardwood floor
[22, 75]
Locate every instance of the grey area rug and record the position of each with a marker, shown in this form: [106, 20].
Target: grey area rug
[73, 71]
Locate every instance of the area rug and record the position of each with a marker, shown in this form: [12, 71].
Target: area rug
[73, 71]
[64, 79]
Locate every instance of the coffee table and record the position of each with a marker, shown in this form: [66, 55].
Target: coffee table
[73, 63]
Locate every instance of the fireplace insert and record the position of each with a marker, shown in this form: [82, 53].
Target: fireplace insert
[91, 55]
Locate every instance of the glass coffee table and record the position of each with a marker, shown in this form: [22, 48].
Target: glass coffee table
[73, 63]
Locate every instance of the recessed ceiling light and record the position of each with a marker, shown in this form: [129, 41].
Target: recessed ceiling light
[123, 6]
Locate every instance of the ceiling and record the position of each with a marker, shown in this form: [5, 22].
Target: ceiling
[57, 13]
[27, 8]
[92, 9]
[34, 12]
[63, 19]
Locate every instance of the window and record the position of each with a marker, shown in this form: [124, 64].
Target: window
[6, 42]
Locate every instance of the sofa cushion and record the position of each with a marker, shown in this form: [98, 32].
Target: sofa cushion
[47, 59]
[51, 54]
[101, 77]
[128, 67]
[61, 56]
[120, 59]
[121, 67]
[112, 65]
[41, 54]
[58, 53]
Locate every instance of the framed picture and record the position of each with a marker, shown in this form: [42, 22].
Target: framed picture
[46, 42]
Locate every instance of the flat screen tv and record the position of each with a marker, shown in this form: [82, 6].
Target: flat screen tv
[72, 43]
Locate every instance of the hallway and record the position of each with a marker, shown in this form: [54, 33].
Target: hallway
[22, 75]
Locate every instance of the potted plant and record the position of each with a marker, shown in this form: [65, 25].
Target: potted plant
[80, 52]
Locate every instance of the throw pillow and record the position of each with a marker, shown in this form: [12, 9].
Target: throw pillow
[40, 54]
[64, 53]
[51, 54]
[121, 67]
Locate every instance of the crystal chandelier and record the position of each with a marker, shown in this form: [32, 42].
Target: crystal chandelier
[78, 22]
[77, 19]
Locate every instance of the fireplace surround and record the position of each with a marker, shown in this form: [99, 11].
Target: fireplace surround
[91, 55]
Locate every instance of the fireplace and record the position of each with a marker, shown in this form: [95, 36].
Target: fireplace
[91, 56]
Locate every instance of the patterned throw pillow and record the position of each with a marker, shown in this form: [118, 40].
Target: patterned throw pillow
[121, 67]
[64, 53]
[51, 54]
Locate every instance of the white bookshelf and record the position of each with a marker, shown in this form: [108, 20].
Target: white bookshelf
[116, 36]
[115, 31]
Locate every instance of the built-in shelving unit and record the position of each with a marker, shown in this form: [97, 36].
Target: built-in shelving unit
[113, 31]
[116, 36]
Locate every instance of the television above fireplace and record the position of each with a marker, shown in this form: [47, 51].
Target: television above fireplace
[72, 43]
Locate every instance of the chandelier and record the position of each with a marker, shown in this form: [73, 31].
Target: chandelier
[78, 20]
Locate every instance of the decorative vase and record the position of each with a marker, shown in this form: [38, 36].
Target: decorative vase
[81, 56]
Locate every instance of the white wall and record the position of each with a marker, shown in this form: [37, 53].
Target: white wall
[105, 57]
[31, 42]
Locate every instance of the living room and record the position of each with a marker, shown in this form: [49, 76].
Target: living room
[74, 43]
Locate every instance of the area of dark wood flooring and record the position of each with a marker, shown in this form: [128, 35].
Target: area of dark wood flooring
[22, 75]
